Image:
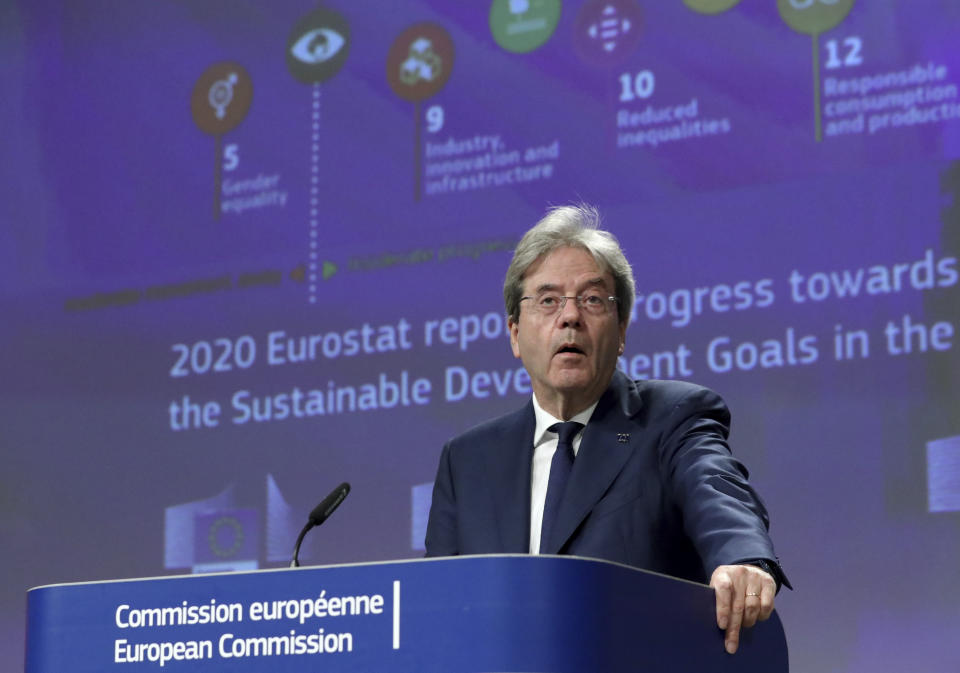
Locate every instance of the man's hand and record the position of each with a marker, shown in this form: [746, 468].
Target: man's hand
[744, 596]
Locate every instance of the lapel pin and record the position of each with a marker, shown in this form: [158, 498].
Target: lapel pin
[623, 437]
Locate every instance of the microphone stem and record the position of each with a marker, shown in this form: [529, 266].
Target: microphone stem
[295, 563]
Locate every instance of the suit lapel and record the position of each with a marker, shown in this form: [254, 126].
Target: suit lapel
[604, 450]
[509, 469]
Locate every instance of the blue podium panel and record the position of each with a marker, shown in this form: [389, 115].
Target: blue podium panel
[470, 614]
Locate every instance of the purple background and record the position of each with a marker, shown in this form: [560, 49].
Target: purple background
[107, 185]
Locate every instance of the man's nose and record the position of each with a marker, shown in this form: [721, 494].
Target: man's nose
[570, 312]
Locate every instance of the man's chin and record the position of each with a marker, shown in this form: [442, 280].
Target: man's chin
[573, 381]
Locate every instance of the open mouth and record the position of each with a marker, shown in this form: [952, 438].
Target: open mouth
[570, 349]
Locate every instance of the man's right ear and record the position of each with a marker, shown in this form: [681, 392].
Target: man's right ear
[514, 336]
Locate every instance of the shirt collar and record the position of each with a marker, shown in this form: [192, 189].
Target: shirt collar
[545, 420]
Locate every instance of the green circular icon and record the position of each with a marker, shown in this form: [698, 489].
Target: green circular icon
[710, 6]
[523, 25]
[813, 17]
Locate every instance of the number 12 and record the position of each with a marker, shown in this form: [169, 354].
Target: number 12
[853, 56]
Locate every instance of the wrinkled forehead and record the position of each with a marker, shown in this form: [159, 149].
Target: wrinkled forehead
[567, 268]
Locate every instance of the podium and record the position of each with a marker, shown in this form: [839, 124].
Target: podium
[469, 614]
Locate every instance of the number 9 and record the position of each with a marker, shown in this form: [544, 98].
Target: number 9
[434, 118]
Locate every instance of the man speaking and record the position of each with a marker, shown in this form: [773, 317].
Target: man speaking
[595, 464]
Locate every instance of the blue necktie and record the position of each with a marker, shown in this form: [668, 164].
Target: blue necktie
[559, 473]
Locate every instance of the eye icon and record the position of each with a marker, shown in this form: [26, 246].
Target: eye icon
[317, 46]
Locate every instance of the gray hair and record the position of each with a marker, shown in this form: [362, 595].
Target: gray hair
[570, 227]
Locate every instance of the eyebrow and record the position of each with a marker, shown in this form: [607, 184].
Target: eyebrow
[546, 287]
[552, 287]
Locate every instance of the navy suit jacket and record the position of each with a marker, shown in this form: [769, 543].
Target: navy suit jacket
[654, 486]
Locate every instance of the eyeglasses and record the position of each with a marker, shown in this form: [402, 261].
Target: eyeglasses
[592, 304]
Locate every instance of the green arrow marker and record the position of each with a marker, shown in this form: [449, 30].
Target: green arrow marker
[329, 268]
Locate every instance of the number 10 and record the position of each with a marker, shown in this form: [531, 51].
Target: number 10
[639, 86]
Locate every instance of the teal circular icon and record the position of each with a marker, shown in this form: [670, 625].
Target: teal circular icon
[710, 6]
[521, 26]
[813, 17]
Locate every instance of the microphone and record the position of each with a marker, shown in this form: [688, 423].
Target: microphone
[320, 514]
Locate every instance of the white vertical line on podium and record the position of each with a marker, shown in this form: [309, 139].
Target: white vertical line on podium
[396, 614]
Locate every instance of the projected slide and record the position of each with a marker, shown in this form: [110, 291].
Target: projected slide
[253, 250]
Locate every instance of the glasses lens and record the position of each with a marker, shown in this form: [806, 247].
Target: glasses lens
[550, 304]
